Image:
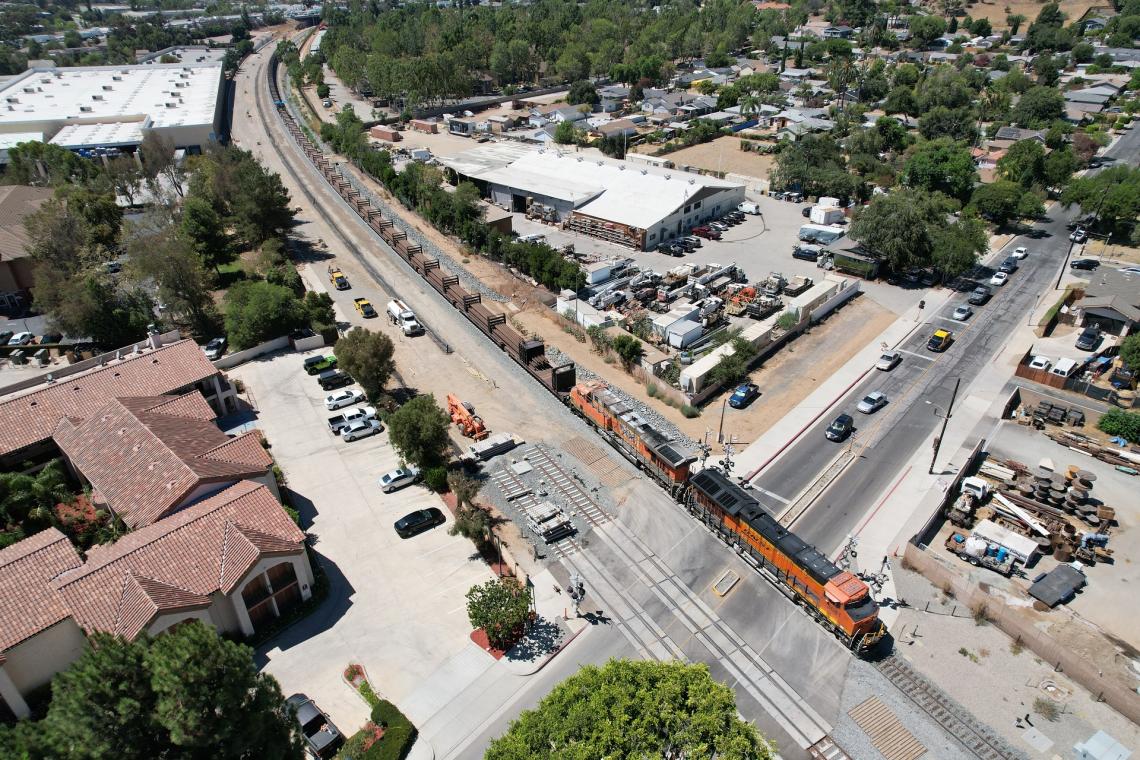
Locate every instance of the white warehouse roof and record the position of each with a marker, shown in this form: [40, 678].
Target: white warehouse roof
[636, 195]
[113, 134]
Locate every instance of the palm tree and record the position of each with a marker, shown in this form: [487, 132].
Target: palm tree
[804, 93]
[749, 104]
[32, 498]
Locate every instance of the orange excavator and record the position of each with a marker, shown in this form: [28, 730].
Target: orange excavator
[464, 417]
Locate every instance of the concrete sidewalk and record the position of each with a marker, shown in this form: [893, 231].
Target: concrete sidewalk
[553, 630]
[779, 438]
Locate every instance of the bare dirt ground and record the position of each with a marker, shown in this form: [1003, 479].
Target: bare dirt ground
[997, 12]
[720, 155]
[810, 359]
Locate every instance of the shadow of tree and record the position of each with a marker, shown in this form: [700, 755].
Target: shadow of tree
[541, 639]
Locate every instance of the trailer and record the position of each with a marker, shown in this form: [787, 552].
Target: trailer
[979, 553]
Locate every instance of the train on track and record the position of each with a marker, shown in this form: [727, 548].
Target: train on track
[840, 601]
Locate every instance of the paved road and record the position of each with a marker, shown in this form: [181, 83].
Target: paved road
[919, 388]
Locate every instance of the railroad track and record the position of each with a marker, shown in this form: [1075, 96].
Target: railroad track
[957, 721]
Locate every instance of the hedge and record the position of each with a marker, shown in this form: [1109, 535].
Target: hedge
[399, 736]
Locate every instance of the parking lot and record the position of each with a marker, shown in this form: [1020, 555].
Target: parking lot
[760, 245]
[395, 606]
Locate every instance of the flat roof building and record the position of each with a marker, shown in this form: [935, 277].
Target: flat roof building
[115, 106]
[634, 205]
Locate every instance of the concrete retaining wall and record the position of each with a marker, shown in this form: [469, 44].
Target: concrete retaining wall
[308, 344]
[241, 357]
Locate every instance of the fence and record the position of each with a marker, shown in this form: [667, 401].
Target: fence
[950, 494]
[1009, 619]
[241, 357]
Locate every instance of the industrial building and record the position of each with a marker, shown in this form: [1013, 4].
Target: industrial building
[93, 107]
[633, 205]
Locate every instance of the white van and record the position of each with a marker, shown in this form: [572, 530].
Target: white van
[748, 208]
[1064, 367]
[400, 314]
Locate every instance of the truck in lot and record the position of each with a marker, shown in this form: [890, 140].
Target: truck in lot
[364, 307]
[403, 317]
[748, 207]
[980, 553]
[340, 422]
[337, 278]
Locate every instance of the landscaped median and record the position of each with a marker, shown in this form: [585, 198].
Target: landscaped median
[388, 735]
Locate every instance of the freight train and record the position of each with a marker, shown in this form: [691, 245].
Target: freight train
[838, 600]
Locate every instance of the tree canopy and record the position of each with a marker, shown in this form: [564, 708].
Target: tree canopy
[816, 166]
[941, 165]
[418, 431]
[913, 228]
[499, 607]
[257, 311]
[634, 709]
[1113, 194]
[367, 356]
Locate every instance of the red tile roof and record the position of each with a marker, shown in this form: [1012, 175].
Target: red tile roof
[30, 415]
[179, 562]
[16, 203]
[28, 602]
[146, 456]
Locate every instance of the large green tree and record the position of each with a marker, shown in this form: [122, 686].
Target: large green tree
[913, 228]
[943, 166]
[418, 431]
[816, 166]
[259, 311]
[1113, 194]
[1038, 107]
[631, 709]
[367, 356]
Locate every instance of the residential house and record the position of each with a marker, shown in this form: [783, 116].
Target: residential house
[148, 457]
[613, 98]
[699, 106]
[33, 408]
[17, 202]
[556, 113]
[1111, 301]
[1090, 99]
[795, 75]
[794, 123]
[1007, 136]
[616, 128]
[838, 33]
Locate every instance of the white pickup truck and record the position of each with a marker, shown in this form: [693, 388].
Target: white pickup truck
[405, 318]
[341, 422]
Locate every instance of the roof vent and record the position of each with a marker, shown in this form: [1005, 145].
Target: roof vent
[96, 97]
[30, 90]
[107, 88]
[13, 100]
[86, 109]
[48, 379]
[116, 78]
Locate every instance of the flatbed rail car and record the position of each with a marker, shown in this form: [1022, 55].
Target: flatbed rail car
[840, 601]
[529, 353]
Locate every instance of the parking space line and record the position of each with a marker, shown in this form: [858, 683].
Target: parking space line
[916, 356]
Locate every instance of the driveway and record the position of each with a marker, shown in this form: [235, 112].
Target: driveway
[395, 606]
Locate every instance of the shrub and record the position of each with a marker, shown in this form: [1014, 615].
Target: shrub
[435, 478]
[786, 321]
[690, 411]
[1121, 423]
[651, 389]
[1046, 708]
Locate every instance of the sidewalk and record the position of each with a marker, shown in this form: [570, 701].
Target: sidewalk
[551, 632]
[776, 440]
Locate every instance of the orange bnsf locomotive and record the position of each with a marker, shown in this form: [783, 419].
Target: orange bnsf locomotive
[837, 599]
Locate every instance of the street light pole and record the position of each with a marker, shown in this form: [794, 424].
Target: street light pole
[945, 420]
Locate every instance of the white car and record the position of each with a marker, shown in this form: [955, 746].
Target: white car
[962, 313]
[398, 478]
[1129, 270]
[361, 429]
[1020, 252]
[1040, 362]
[345, 397]
[872, 402]
[999, 278]
[21, 339]
[888, 361]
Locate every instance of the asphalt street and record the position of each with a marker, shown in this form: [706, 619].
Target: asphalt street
[919, 389]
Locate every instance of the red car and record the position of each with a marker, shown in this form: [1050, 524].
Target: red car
[706, 232]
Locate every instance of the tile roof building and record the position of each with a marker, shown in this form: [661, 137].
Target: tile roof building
[146, 457]
[16, 203]
[32, 409]
[234, 561]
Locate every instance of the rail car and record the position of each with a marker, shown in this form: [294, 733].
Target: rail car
[837, 599]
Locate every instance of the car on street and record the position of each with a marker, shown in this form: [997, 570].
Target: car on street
[1020, 252]
[962, 313]
[315, 365]
[940, 340]
[347, 397]
[888, 361]
[979, 295]
[999, 279]
[1129, 270]
[840, 428]
[21, 339]
[1086, 265]
[872, 402]
[1079, 235]
[322, 738]
[744, 395]
[1089, 338]
[1009, 266]
[361, 429]
[215, 348]
[398, 478]
[333, 378]
[1040, 362]
[417, 522]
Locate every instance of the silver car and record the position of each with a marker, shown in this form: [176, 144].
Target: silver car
[398, 478]
[872, 402]
[361, 429]
[962, 313]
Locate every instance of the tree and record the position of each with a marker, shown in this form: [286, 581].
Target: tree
[1059, 167]
[367, 356]
[259, 311]
[1082, 52]
[565, 133]
[202, 228]
[634, 709]
[1112, 194]
[956, 246]
[926, 29]
[943, 166]
[583, 92]
[896, 228]
[125, 177]
[1015, 20]
[815, 165]
[998, 201]
[628, 349]
[1038, 107]
[27, 502]
[167, 259]
[93, 305]
[1130, 351]
[1023, 163]
[159, 163]
[418, 431]
[955, 123]
[1118, 422]
[901, 100]
[501, 608]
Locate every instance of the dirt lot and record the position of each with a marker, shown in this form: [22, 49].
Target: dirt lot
[996, 12]
[810, 359]
[721, 155]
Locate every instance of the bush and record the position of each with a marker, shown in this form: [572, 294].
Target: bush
[1046, 708]
[435, 478]
[1121, 423]
[690, 411]
[399, 733]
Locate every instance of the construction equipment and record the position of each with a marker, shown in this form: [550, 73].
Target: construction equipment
[464, 417]
[337, 278]
[773, 285]
[740, 301]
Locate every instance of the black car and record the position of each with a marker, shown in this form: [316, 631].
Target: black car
[684, 243]
[979, 295]
[1087, 265]
[805, 252]
[333, 378]
[417, 522]
[1009, 266]
[1089, 338]
[805, 212]
[322, 739]
[840, 428]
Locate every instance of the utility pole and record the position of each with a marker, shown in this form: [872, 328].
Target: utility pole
[720, 430]
[945, 420]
